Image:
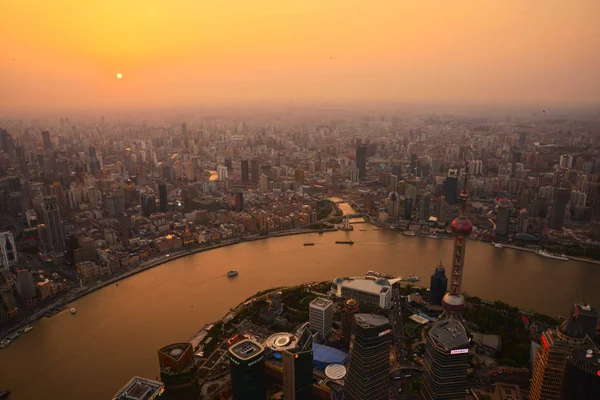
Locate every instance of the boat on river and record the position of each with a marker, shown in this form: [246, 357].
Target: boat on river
[27, 328]
[412, 278]
[73, 311]
[344, 242]
[309, 244]
[409, 233]
[498, 245]
[232, 273]
[547, 254]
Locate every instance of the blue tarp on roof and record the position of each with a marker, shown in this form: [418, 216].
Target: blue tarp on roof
[325, 355]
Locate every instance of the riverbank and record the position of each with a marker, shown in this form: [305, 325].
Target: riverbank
[155, 262]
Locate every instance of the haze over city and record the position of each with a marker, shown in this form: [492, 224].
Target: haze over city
[66, 54]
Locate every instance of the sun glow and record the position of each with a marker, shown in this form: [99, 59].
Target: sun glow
[119, 75]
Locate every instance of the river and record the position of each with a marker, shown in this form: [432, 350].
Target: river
[117, 330]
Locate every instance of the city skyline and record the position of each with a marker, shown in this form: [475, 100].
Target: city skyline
[192, 54]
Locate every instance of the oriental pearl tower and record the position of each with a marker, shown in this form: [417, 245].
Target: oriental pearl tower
[453, 302]
[447, 344]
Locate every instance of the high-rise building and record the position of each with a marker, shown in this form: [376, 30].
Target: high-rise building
[413, 163]
[320, 314]
[502, 219]
[46, 142]
[369, 359]
[299, 175]
[177, 365]
[447, 346]
[559, 208]
[247, 365]
[140, 388]
[506, 391]
[394, 205]
[56, 237]
[245, 172]
[587, 317]
[162, 196]
[354, 175]
[94, 161]
[148, 202]
[450, 189]
[26, 286]
[264, 184]
[424, 207]
[551, 358]
[408, 208]
[522, 221]
[298, 367]
[438, 285]
[238, 201]
[348, 321]
[8, 251]
[393, 187]
[582, 375]
[566, 161]
[361, 160]
[254, 171]
[441, 216]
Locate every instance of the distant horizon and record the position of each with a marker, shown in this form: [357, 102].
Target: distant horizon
[66, 55]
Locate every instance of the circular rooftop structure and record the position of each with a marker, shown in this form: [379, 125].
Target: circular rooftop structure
[351, 303]
[572, 328]
[176, 352]
[453, 303]
[335, 371]
[338, 281]
[281, 341]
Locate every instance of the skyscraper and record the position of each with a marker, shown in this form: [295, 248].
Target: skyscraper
[361, 160]
[148, 203]
[522, 221]
[559, 207]
[299, 175]
[348, 321]
[298, 367]
[424, 207]
[450, 189]
[162, 196]
[254, 171]
[551, 358]
[8, 251]
[438, 285]
[502, 219]
[320, 314]
[369, 359]
[56, 237]
[94, 161]
[582, 375]
[587, 317]
[247, 365]
[408, 206]
[447, 348]
[46, 141]
[245, 172]
[442, 210]
[394, 205]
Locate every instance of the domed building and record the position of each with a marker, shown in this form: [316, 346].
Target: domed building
[551, 358]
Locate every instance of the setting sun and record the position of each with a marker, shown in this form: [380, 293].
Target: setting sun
[119, 75]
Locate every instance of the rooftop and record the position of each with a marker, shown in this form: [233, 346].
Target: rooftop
[365, 285]
[320, 302]
[508, 391]
[175, 350]
[139, 388]
[370, 320]
[451, 334]
[246, 349]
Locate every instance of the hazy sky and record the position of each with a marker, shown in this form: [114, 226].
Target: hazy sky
[66, 53]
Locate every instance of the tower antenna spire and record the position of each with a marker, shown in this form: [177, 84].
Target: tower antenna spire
[464, 195]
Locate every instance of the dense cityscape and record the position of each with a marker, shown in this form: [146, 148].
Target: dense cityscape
[88, 201]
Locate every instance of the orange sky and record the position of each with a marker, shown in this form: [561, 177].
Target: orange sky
[66, 53]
